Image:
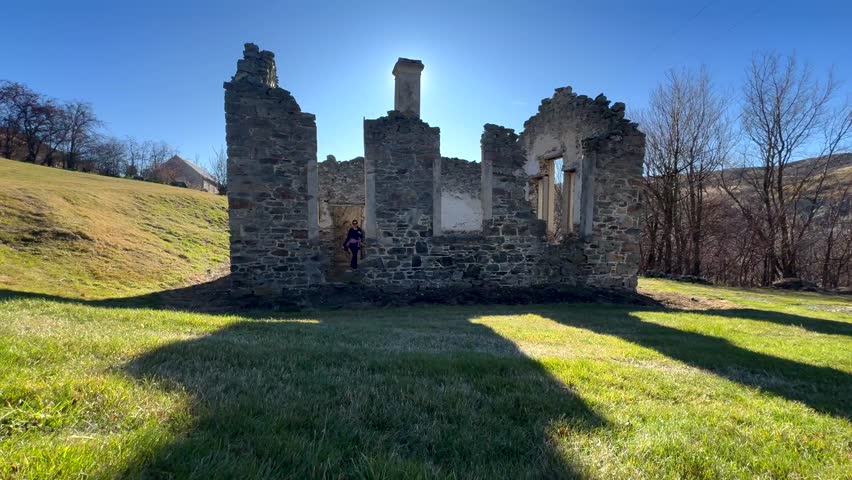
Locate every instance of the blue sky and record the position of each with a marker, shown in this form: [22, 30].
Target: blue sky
[154, 69]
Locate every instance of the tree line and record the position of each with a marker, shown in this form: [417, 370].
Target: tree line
[729, 195]
[38, 129]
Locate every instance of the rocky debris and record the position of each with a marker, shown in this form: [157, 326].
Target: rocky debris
[795, 284]
[678, 278]
[678, 301]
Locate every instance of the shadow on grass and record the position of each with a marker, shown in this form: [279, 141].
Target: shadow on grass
[825, 389]
[816, 325]
[415, 397]
[388, 397]
[213, 297]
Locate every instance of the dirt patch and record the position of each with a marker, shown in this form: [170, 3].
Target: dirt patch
[213, 274]
[59, 234]
[678, 301]
[35, 237]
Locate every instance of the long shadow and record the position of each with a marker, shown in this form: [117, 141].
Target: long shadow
[209, 297]
[824, 389]
[398, 396]
[425, 398]
[816, 325]
[213, 297]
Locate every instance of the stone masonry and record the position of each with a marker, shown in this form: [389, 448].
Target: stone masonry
[461, 205]
[272, 181]
[430, 222]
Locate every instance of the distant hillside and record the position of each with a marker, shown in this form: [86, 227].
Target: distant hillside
[838, 161]
[839, 169]
[75, 234]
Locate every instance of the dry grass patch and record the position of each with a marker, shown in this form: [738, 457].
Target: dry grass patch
[75, 234]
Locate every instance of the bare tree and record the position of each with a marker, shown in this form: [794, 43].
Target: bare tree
[136, 156]
[664, 163]
[144, 160]
[32, 118]
[834, 237]
[9, 118]
[687, 135]
[786, 111]
[48, 131]
[80, 126]
[708, 139]
[38, 129]
[54, 135]
[107, 156]
[219, 168]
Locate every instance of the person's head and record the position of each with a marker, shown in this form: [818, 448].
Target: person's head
[354, 223]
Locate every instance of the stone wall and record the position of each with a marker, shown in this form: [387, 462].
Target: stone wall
[402, 156]
[461, 207]
[509, 251]
[612, 250]
[272, 204]
[512, 223]
[606, 151]
[431, 222]
[340, 183]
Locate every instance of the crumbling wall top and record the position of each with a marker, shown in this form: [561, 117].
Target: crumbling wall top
[595, 113]
[497, 134]
[402, 122]
[257, 77]
[256, 67]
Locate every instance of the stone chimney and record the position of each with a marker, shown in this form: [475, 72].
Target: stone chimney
[406, 97]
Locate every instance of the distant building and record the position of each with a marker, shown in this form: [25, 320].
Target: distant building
[180, 171]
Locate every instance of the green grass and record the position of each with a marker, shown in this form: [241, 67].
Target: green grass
[80, 235]
[761, 390]
[95, 386]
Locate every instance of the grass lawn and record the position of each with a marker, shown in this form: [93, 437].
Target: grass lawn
[758, 387]
[84, 235]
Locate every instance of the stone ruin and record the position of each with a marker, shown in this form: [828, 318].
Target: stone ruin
[556, 205]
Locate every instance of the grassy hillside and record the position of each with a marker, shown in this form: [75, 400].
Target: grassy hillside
[839, 178]
[80, 235]
[840, 168]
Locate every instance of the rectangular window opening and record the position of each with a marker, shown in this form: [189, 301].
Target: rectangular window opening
[556, 192]
[570, 192]
[556, 221]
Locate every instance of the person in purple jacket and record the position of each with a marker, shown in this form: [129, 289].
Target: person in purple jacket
[353, 243]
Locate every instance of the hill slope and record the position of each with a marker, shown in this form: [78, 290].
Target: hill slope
[839, 173]
[79, 235]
